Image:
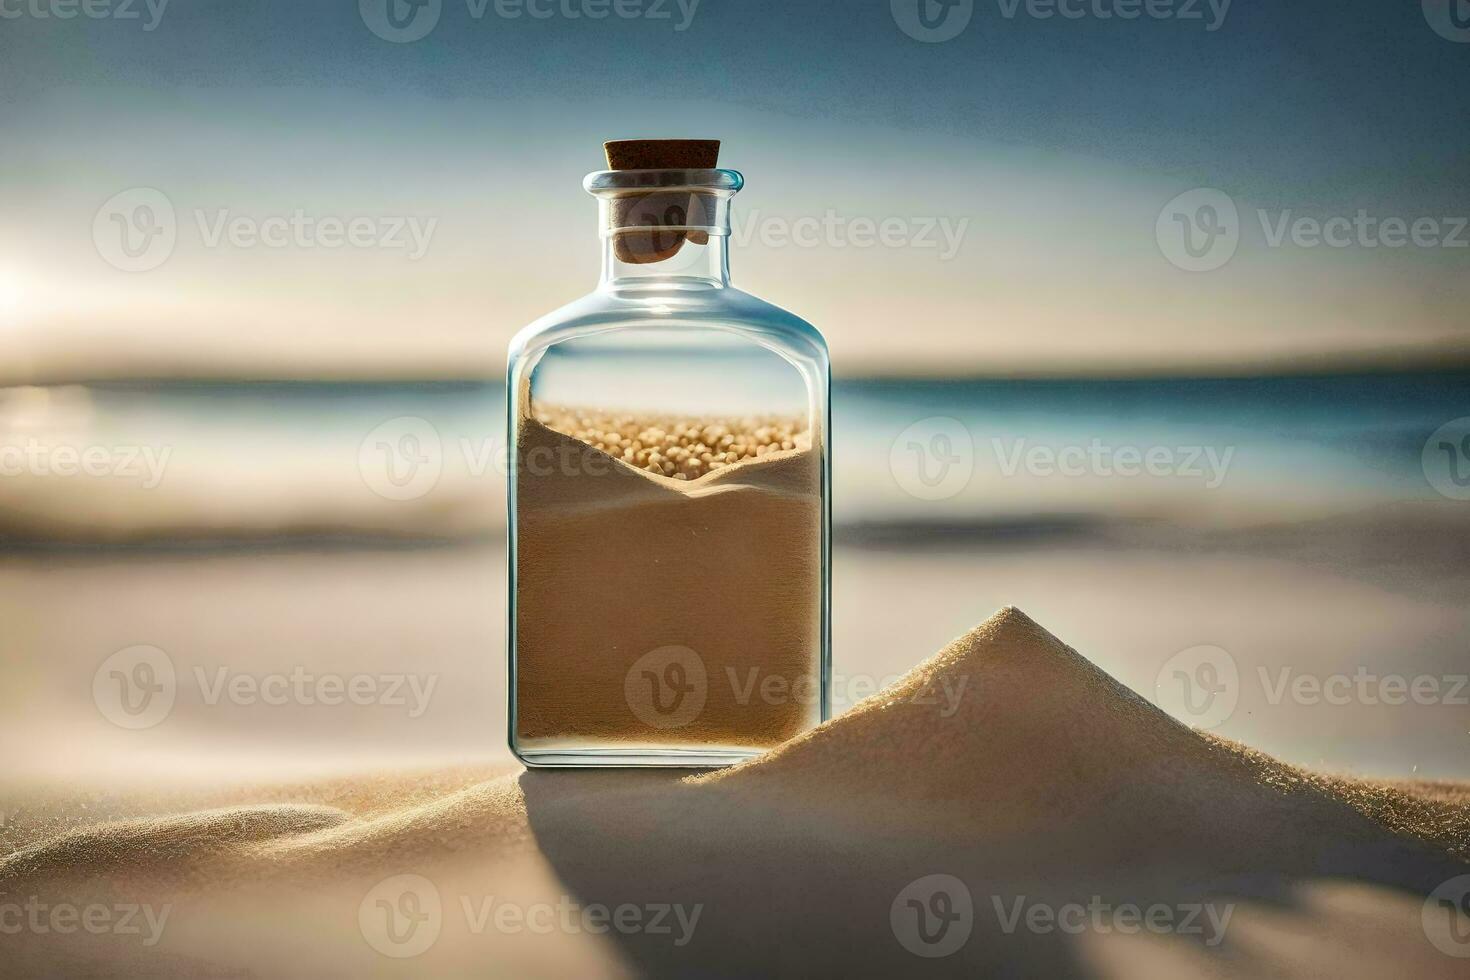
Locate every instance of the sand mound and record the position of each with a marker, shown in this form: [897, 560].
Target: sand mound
[1006, 725]
[488, 818]
[1007, 763]
[164, 845]
[1010, 736]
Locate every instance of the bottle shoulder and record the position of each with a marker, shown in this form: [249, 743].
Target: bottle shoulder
[715, 308]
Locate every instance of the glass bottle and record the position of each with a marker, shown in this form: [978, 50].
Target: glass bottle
[669, 500]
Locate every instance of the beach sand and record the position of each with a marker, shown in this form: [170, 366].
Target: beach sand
[1046, 784]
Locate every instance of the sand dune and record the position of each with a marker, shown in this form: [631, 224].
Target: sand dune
[1007, 765]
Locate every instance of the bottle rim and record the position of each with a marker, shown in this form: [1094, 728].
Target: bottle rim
[618, 182]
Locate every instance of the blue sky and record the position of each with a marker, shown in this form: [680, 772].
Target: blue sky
[1056, 140]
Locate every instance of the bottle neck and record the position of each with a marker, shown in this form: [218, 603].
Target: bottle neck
[693, 265]
[665, 236]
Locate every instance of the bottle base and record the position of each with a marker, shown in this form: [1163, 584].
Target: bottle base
[614, 757]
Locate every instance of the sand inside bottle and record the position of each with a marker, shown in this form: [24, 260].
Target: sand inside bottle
[668, 575]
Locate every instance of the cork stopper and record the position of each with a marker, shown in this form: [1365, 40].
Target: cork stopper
[662, 154]
[658, 211]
